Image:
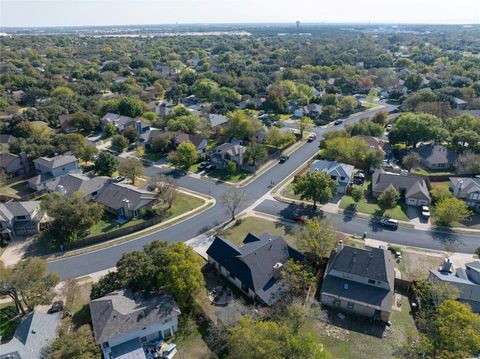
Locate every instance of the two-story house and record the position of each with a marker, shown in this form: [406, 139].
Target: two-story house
[340, 172]
[359, 281]
[123, 322]
[120, 122]
[228, 152]
[467, 189]
[50, 167]
[14, 165]
[19, 218]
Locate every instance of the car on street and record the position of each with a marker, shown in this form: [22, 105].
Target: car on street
[389, 223]
[56, 307]
[283, 159]
[118, 179]
[425, 212]
[312, 137]
[338, 122]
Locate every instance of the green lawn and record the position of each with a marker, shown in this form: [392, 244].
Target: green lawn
[352, 343]
[7, 326]
[426, 172]
[194, 167]
[369, 206]
[288, 192]
[236, 176]
[257, 225]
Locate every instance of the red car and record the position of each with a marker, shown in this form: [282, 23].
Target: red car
[300, 218]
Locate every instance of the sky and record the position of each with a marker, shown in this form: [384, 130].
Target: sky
[37, 13]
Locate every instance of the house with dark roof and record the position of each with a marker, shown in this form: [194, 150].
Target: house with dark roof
[123, 322]
[50, 167]
[359, 281]
[311, 110]
[19, 218]
[436, 156]
[14, 165]
[466, 280]
[412, 188]
[467, 189]
[65, 124]
[339, 172]
[70, 183]
[255, 266]
[120, 122]
[198, 141]
[32, 336]
[228, 152]
[125, 200]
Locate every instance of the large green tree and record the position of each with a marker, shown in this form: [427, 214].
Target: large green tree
[317, 240]
[131, 168]
[410, 128]
[106, 164]
[450, 210]
[241, 125]
[185, 156]
[255, 152]
[316, 187]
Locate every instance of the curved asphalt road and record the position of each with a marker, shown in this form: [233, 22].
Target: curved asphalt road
[92, 262]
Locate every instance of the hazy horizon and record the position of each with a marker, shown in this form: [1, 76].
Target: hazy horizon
[68, 13]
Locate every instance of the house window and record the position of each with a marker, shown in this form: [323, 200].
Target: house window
[342, 178]
[350, 305]
[167, 333]
[337, 302]
[371, 281]
[333, 178]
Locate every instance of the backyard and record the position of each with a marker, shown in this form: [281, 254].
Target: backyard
[16, 189]
[7, 324]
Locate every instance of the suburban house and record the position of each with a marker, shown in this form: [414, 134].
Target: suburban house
[123, 322]
[254, 102]
[199, 142]
[436, 156]
[410, 187]
[19, 218]
[311, 110]
[50, 167]
[359, 281]
[340, 172]
[467, 189]
[459, 103]
[67, 184]
[65, 125]
[216, 120]
[32, 336]
[14, 165]
[466, 280]
[6, 139]
[228, 152]
[255, 266]
[375, 143]
[125, 200]
[147, 137]
[120, 122]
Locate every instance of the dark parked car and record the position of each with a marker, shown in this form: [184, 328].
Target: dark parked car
[56, 307]
[203, 165]
[209, 168]
[338, 122]
[390, 223]
[283, 159]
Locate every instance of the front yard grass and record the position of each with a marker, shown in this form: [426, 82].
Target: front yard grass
[348, 339]
[224, 175]
[257, 225]
[287, 192]
[7, 325]
[369, 206]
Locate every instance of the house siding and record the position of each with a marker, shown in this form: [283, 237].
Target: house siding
[362, 309]
[226, 274]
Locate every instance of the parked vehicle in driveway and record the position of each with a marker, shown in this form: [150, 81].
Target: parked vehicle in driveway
[209, 168]
[389, 223]
[425, 212]
[56, 307]
[389, 128]
[203, 165]
[118, 179]
[283, 159]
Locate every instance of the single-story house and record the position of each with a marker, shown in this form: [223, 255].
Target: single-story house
[120, 122]
[50, 167]
[410, 187]
[67, 184]
[459, 103]
[32, 336]
[228, 152]
[125, 200]
[466, 280]
[340, 172]
[467, 189]
[19, 218]
[375, 143]
[255, 266]
[359, 281]
[199, 142]
[216, 120]
[311, 110]
[123, 322]
[436, 156]
[14, 165]
[65, 124]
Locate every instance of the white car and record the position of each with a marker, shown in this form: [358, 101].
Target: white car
[425, 211]
[389, 128]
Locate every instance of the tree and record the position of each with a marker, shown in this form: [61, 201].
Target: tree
[231, 167]
[414, 82]
[241, 125]
[72, 142]
[77, 343]
[373, 159]
[410, 128]
[297, 278]
[185, 155]
[365, 127]
[388, 199]
[304, 125]
[84, 121]
[278, 139]
[317, 240]
[450, 210]
[255, 152]
[131, 107]
[28, 284]
[232, 199]
[72, 215]
[140, 151]
[109, 129]
[345, 150]
[439, 194]
[315, 186]
[357, 194]
[161, 144]
[477, 252]
[131, 134]
[87, 153]
[468, 163]
[119, 143]
[63, 91]
[329, 112]
[348, 104]
[380, 118]
[131, 168]
[165, 187]
[106, 164]
[411, 160]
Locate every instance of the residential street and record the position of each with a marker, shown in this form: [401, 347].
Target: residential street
[84, 264]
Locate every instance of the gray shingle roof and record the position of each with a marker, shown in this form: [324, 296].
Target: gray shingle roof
[118, 120]
[253, 262]
[113, 195]
[76, 182]
[14, 209]
[332, 168]
[469, 185]
[122, 312]
[410, 183]
[56, 161]
[216, 120]
[436, 154]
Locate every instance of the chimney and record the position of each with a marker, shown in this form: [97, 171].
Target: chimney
[277, 269]
[339, 246]
[446, 266]
[126, 207]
